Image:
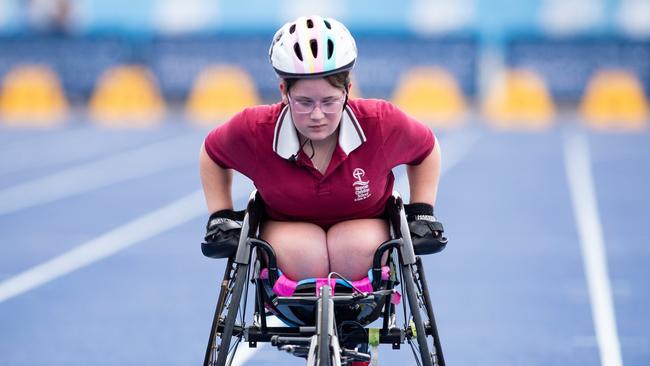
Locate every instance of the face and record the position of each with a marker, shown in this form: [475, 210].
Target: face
[315, 125]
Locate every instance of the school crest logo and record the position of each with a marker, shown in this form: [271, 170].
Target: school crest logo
[361, 187]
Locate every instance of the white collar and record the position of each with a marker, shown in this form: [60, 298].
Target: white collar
[286, 142]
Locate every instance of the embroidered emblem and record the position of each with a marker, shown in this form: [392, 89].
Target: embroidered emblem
[361, 187]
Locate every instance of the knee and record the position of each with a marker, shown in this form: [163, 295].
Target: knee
[300, 248]
[364, 235]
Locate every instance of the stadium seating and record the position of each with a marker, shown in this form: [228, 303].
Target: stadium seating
[77, 61]
[31, 95]
[177, 62]
[383, 60]
[567, 64]
[218, 93]
[614, 99]
[432, 95]
[520, 100]
[127, 96]
[433, 78]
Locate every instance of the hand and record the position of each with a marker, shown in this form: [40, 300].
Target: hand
[222, 234]
[426, 231]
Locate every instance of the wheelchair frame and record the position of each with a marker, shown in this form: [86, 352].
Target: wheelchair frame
[229, 321]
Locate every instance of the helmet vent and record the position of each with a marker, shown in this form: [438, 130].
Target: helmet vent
[314, 47]
[330, 48]
[296, 49]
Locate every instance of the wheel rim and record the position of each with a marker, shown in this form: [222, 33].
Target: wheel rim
[414, 317]
[231, 317]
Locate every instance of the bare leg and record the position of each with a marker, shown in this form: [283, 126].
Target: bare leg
[300, 248]
[352, 245]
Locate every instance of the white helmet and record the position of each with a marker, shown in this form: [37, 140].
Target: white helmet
[312, 47]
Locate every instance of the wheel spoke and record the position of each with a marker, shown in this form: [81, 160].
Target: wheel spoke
[414, 298]
[416, 352]
[229, 328]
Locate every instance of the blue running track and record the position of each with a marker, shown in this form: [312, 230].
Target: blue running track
[100, 261]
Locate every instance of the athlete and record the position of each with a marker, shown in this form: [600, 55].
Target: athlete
[321, 161]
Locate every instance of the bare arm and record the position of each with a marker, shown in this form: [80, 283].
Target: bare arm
[423, 178]
[216, 181]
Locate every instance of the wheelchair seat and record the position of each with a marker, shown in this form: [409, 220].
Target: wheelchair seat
[292, 301]
[284, 286]
[283, 297]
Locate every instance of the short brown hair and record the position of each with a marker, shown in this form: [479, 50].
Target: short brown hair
[339, 80]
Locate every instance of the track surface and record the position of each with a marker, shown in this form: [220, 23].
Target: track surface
[511, 288]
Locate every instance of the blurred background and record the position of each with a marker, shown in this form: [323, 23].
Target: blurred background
[540, 106]
[514, 62]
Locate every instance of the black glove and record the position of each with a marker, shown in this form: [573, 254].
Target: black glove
[426, 231]
[222, 234]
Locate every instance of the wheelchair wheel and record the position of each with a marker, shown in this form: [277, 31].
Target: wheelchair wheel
[424, 353]
[437, 347]
[228, 318]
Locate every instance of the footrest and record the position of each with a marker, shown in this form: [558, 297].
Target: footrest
[279, 341]
[297, 346]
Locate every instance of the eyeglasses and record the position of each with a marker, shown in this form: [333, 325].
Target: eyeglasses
[305, 106]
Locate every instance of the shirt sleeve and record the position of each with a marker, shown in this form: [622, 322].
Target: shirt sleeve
[232, 145]
[406, 140]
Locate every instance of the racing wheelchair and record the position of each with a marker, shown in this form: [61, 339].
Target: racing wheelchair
[326, 319]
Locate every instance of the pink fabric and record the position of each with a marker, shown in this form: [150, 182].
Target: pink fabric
[385, 273]
[320, 282]
[284, 286]
[364, 285]
[395, 298]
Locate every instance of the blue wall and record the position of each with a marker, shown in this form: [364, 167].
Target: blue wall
[176, 39]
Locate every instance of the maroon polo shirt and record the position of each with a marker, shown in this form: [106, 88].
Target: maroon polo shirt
[374, 137]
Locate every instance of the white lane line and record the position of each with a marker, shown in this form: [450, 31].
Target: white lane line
[142, 228]
[585, 209]
[245, 353]
[98, 174]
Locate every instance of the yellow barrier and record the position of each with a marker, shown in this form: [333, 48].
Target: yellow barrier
[431, 95]
[127, 96]
[218, 93]
[31, 95]
[519, 100]
[615, 99]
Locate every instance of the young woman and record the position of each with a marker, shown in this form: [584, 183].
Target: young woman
[321, 161]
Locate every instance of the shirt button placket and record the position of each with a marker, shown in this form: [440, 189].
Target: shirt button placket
[322, 188]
